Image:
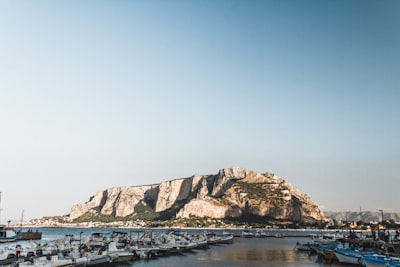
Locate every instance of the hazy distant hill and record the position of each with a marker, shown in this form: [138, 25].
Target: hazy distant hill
[365, 216]
[232, 193]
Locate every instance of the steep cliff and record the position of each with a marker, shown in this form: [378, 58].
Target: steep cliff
[232, 193]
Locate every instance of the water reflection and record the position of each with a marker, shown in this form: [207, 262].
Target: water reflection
[271, 252]
[279, 250]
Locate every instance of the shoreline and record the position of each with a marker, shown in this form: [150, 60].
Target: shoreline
[96, 225]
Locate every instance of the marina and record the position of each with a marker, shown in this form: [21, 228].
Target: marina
[180, 247]
[100, 247]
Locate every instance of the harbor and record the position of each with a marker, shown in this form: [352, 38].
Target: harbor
[99, 247]
[360, 249]
[173, 246]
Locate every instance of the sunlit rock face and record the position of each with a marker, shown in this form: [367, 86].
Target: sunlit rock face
[231, 193]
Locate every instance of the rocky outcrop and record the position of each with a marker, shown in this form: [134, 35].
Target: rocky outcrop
[116, 201]
[232, 193]
[364, 216]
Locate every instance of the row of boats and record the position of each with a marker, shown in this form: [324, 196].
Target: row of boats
[259, 233]
[338, 248]
[99, 248]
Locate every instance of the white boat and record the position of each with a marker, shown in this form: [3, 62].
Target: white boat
[247, 234]
[200, 240]
[225, 239]
[54, 261]
[142, 244]
[166, 243]
[303, 246]
[78, 258]
[350, 256]
[375, 260]
[96, 240]
[144, 252]
[90, 256]
[119, 255]
[7, 256]
[95, 259]
[7, 234]
[261, 233]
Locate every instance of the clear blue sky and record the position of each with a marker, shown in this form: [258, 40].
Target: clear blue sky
[97, 94]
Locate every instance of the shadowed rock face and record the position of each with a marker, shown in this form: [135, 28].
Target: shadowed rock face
[232, 193]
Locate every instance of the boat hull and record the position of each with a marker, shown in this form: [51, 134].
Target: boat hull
[29, 235]
[348, 258]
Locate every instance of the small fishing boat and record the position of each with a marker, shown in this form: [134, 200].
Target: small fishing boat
[7, 234]
[303, 246]
[261, 233]
[375, 261]
[349, 256]
[248, 234]
[118, 254]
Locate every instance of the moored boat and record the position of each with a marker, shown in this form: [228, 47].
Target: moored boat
[119, 255]
[29, 235]
[378, 260]
[329, 254]
[349, 256]
[375, 260]
[303, 246]
[261, 233]
[248, 234]
[7, 234]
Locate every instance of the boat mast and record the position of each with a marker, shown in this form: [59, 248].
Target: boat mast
[22, 219]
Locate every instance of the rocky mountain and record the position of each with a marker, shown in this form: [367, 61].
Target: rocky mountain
[233, 193]
[365, 216]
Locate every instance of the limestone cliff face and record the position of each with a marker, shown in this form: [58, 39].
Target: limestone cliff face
[116, 201]
[233, 193]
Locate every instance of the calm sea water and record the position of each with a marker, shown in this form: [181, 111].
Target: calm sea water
[249, 252]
